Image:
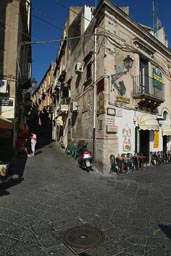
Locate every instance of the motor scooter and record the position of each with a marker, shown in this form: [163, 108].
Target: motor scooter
[85, 158]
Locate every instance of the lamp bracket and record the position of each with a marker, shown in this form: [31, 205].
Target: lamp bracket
[118, 75]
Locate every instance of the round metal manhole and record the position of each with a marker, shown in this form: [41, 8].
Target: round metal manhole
[83, 237]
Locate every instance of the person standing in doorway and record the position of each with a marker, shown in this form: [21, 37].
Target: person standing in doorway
[33, 143]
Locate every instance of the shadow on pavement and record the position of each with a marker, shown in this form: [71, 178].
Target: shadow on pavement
[17, 166]
[43, 141]
[84, 254]
[14, 175]
[166, 229]
[3, 192]
[38, 152]
[8, 183]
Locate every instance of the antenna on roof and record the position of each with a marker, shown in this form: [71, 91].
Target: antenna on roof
[153, 17]
[156, 22]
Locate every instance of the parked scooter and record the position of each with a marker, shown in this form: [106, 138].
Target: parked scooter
[85, 158]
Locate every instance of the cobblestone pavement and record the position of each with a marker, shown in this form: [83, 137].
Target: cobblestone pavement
[132, 211]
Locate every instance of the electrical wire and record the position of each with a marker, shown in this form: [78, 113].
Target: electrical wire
[12, 27]
[49, 23]
[110, 36]
[107, 31]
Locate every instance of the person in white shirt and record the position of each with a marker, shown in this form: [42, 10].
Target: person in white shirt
[33, 143]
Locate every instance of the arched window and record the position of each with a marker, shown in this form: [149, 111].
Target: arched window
[165, 115]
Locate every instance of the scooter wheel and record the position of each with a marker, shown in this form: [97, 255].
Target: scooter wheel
[88, 169]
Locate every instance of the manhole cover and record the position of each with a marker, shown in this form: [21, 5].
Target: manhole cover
[82, 238]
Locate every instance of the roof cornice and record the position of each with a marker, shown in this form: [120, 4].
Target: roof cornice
[131, 23]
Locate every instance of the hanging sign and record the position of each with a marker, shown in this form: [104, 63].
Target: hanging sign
[157, 78]
[156, 139]
[122, 99]
[7, 107]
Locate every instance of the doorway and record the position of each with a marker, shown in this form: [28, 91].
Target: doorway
[164, 144]
[144, 143]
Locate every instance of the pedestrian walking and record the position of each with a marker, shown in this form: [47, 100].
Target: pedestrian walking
[33, 144]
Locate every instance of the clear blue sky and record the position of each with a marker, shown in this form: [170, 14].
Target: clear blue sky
[48, 17]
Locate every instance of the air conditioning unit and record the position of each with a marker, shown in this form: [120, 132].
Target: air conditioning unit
[78, 68]
[74, 106]
[3, 86]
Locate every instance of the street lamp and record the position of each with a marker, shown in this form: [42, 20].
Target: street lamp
[128, 62]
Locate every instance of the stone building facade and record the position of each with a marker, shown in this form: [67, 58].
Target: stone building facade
[112, 83]
[15, 64]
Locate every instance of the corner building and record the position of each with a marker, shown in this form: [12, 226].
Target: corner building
[117, 73]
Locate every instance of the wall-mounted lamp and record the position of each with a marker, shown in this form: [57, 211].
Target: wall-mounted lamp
[134, 120]
[128, 62]
[160, 120]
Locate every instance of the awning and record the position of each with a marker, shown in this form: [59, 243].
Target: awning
[166, 130]
[5, 123]
[147, 122]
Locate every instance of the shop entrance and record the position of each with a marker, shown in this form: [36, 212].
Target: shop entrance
[144, 139]
[164, 144]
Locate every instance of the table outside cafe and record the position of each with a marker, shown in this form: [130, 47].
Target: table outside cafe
[128, 162]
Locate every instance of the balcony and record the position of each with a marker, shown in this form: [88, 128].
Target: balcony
[148, 92]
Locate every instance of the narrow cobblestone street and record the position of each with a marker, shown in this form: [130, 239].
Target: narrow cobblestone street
[133, 212]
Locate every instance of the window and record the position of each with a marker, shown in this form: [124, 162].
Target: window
[165, 115]
[144, 78]
[89, 71]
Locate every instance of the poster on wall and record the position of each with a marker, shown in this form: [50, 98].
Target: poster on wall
[157, 78]
[7, 107]
[156, 139]
[126, 139]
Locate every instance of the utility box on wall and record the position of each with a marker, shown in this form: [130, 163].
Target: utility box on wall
[78, 68]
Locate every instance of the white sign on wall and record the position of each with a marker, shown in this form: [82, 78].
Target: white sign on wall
[7, 106]
[64, 108]
[3, 86]
[119, 112]
[110, 121]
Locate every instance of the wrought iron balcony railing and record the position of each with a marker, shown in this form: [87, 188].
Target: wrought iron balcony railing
[145, 86]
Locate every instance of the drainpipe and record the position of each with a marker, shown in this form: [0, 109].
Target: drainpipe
[94, 97]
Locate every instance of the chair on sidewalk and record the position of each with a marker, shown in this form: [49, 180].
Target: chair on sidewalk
[74, 153]
[68, 149]
[116, 166]
[130, 162]
[155, 159]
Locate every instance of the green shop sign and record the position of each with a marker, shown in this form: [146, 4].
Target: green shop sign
[157, 79]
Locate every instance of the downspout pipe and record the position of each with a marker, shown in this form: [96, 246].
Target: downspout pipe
[94, 97]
